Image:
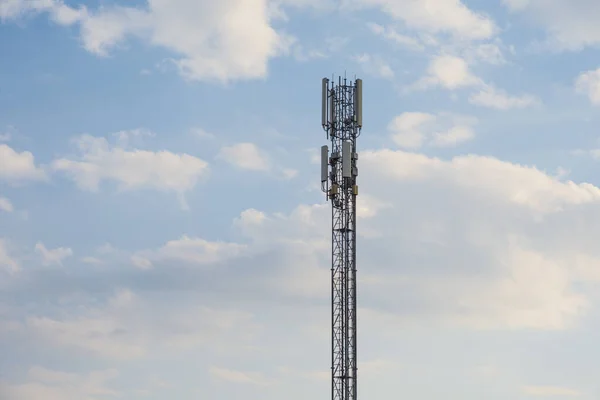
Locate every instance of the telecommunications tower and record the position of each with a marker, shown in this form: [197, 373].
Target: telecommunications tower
[342, 120]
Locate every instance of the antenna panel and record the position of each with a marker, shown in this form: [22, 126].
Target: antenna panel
[324, 88]
[346, 159]
[324, 163]
[358, 103]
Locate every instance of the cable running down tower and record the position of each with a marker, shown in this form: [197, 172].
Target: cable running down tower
[342, 121]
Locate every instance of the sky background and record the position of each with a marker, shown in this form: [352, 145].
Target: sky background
[162, 230]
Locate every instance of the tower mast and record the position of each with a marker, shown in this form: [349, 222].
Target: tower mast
[341, 119]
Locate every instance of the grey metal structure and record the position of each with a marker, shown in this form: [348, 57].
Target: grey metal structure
[342, 120]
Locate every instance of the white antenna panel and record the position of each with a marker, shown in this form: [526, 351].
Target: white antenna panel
[324, 163]
[346, 159]
[358, 103]
[324, 101]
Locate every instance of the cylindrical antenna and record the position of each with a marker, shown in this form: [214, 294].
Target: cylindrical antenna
[324, 92]
[358, 103]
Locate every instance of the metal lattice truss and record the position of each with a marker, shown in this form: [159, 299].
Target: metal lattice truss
[342, 121]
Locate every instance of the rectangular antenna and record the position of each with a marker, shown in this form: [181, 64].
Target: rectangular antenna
[324, 101]
[358, 103]
[324, 163]
[346, 159]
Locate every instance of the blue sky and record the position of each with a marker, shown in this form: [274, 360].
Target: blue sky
[162, 230]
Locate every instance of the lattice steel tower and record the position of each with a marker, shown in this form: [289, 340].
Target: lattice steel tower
[342, 120]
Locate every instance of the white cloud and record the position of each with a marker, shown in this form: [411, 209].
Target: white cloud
[547, 304]
[202, 134]
[17, 167]
[49, 384]
[532, 278]
[131, 169]
[489, 53]
[448, 71]
[125, 327]
[130, 137]
[7, 262]
[588, 83]
[245, 156]
[452, 72]
[59, 12]
[501, 271]
[406, 128]
[297, 242]
[470, 252]
[141, 262]
[468, 242]
[412, 130]
[6, 205]
[498, 99]
[551, 391]
[435, 16]
[453, 136]
[569, 25]
[189, 250]
[526, 186]
[398, 38]
[375, 65]
[17, 8]
[53, 256]
[222, 41]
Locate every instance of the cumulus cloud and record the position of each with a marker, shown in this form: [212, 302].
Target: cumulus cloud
[245, 156]
[126, 327]
[375, 65]
[448, 71]
[588, 84]
[127, 138]
[190, 251]
[412, 130]
[394, 36]
[7, 262]
[477, 246]
[131, 169]
[53, 256]
[483, 244]
[481, 255]
[435, 16]
[569, 25]
[490, 53]
[539, 191]
[492, 97]
[18, 166]
[223, 41]
[452, 72]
